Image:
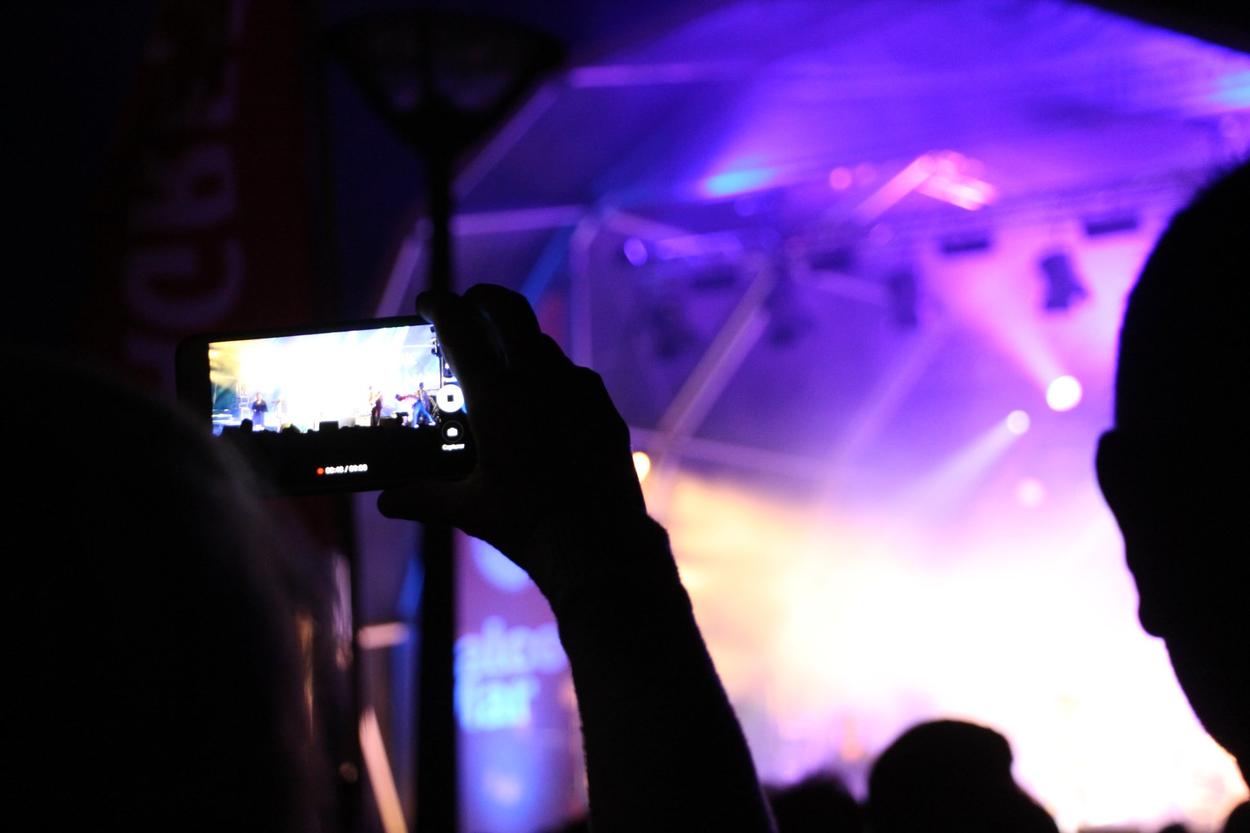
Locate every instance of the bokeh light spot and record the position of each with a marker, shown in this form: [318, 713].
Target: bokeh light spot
[1064, 393]
[841, 178]
[1018, 423]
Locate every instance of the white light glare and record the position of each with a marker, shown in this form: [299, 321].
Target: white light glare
[1018, 423]
[1063, 394]
[642, 465]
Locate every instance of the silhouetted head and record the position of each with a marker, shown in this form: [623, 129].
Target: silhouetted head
[819, 803]
[947, 775]
[159, 676]
[1238, 820]
[1174, 467]
[580, 824]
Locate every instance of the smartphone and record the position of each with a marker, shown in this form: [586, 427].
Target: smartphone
[351, 407]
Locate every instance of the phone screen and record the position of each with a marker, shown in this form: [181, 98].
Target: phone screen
[360, 407]
[349, 378]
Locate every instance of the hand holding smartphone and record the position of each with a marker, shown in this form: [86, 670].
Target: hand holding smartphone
[353, 407]
[553, 453]
[478, 420]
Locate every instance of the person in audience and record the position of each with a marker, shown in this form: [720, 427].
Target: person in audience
[166, 682]
[579, 824]
[1174, 827]
[664, 751]
[1174, 466]
[820, 803]
[1238, 820]
[949, 776]
[158, 680]
[158, 626]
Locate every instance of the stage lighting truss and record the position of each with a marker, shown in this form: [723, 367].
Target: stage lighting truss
[1064, 287]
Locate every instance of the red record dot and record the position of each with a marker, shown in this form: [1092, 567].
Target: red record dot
[320, 470]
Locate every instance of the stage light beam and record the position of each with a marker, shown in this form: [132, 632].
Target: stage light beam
[1064, 287]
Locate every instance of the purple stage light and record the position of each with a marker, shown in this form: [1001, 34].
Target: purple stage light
[841, 178]
[731, 183]
[1234, 89]
[635, 251]
[1064, 393]
[952, 178]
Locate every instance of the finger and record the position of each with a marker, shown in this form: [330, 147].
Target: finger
[427, 501]
[609, 426]
[547, 353]
[544, 357]
[510, 316]
[465, 339]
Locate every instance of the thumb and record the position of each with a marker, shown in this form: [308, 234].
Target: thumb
[427, 500]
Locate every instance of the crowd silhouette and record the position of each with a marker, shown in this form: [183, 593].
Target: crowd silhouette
[165, 660]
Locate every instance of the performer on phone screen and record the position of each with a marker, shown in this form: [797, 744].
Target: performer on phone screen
[375, 408]
[422, 406]
[259, 409]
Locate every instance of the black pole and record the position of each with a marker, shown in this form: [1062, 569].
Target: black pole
[439, 196]
[437, 795]
[435, 46]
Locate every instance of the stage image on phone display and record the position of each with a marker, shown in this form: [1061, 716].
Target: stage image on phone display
[330, 410]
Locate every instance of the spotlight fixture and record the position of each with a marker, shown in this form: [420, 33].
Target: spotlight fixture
[841, 259]
[788, 322]
[904, 295]
[671, 332]
[965, 243]
[1063, 285]
[635, 251]
[1104, 224]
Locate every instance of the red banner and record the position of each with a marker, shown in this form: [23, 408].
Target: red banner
[206, 221]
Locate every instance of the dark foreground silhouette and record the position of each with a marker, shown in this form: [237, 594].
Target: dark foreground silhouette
[155, 628]
[163, 677]
[948, 776]
[664, 751]
[155, 662]
[1174, 467]
[819, 803]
